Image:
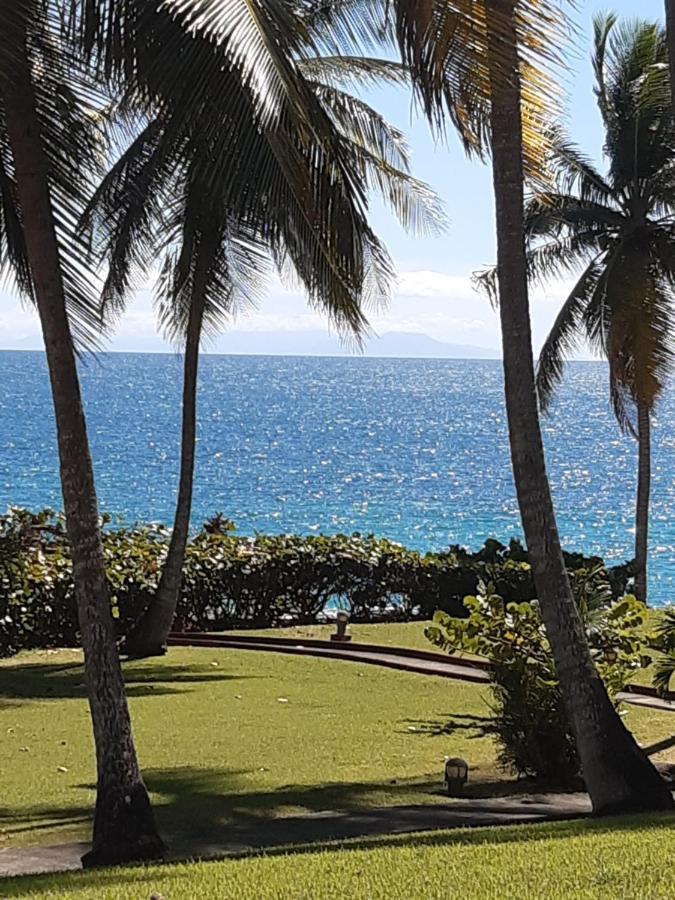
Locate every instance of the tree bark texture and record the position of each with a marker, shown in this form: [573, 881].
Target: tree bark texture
[124, 827]
[642, 504]
[618, 775]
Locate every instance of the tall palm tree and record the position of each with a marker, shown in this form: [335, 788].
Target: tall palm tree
[45, 138]
[159, 58]
[218, 255]
[619, 230]
[484, 63]
[670, 38]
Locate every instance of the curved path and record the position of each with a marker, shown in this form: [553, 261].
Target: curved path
[402, 658]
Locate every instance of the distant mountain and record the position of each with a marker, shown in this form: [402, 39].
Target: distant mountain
[320, 343]
[397, 344]
[415, 344]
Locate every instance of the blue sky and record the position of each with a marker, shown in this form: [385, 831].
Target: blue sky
[434, 294]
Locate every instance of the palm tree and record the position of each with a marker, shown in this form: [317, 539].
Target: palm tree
[618, 229]
[156, 59]
[218, 256]
[45, 135]
[484, 63]
[670, 38]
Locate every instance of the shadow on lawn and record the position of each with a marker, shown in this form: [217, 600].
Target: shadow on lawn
[139, 878]
[44, 681]
[212, 806]
[198, 803]
[447, 725]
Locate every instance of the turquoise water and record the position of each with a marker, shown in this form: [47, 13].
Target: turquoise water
[415, 450]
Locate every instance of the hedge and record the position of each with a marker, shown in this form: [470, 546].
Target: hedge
[264, 581]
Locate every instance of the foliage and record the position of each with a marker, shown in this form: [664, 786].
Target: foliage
[613, 231]
[529, 718]
[664, 643]
[264, 581]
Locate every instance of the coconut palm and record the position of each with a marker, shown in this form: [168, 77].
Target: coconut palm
[670, 37]
[157, 59]
[216, 257]
[484, 64]
[618, 229]
[48, 157]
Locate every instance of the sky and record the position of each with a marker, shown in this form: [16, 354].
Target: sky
[433, 295]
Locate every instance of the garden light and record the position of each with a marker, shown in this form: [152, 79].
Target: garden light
[456, 776]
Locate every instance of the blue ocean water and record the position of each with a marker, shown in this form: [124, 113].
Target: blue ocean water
[415, 450]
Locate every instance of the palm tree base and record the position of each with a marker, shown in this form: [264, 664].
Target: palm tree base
[150, 848]
[139, 649]
[657, 801]
[124, 828]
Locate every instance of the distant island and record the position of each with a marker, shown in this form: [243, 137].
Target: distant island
[400, 344]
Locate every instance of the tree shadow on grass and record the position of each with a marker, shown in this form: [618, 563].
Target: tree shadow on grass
[212, 807]
[195, 803]
[139, 878]
[447, 725]
[63, 681]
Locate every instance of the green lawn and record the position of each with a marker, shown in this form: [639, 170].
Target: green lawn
[215, 743]
[217, 746]
[629, 858]
[393, 634]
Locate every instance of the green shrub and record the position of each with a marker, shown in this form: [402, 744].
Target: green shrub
[231, 581]
[530, 722]
[664, 643]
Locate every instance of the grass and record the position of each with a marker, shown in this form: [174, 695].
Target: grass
[391, 634]
[589, 859]
[218, 747]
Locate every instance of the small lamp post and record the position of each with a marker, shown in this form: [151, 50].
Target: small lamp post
[341, 622]
[456, 776]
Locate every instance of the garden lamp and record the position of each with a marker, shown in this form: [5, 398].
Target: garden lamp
[456, 776]
[341, 622]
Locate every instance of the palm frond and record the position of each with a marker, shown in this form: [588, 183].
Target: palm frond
[353, 71]
[633, 87]
[417, 207]
[445, 44]
[66, 106]
[349, 26]
[552, 213]
[564, 335]
[574, 173]
[664, 670]
[123, 217]
[360, 124]
[222, 266]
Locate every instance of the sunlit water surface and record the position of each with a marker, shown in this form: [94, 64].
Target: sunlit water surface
[415, 450]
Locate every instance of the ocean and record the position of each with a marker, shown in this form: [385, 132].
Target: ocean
[414, 450]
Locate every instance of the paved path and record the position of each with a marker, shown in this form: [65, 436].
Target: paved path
[370, 654]
[326, 825]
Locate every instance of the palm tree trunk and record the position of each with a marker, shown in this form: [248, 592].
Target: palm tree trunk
[124, 827]
[618, 775]
[670, 37]
[149, 637]
[642, 505]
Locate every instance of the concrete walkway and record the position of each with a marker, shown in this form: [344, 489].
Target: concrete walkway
[326, 825]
